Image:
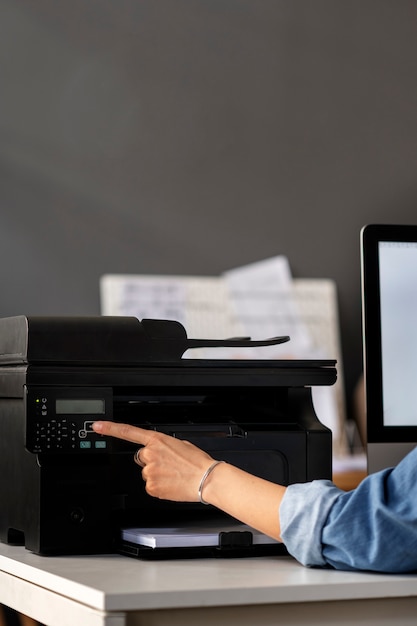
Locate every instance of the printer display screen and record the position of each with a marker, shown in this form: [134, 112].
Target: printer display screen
[79, 406]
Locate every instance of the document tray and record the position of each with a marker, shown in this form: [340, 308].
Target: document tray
[222, 539]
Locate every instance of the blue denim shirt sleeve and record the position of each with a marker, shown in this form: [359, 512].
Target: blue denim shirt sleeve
[373, 527]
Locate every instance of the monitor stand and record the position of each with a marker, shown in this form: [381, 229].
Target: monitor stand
[383, 455]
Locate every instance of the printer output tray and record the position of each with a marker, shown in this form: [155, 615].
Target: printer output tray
[223, 539]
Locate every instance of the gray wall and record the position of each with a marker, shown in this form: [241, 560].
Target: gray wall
[192, 136]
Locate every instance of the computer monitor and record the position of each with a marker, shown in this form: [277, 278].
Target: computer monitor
[389, 306]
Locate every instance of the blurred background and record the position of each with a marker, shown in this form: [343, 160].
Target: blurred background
[194, 136]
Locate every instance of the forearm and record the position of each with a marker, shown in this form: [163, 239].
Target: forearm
[250, 499]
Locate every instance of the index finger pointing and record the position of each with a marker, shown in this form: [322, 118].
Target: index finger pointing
[122, 431]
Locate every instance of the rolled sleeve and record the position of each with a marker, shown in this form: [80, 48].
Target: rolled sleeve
[303, 513]
[373, 527]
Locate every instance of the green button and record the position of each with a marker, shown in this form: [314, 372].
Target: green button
[100, 444]
[85, 444]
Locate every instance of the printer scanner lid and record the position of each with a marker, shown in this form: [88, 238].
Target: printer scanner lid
[103, 340]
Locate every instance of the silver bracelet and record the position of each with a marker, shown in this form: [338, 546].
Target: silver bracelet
[203, 480]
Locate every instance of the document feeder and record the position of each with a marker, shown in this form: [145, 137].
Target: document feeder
[66, 490]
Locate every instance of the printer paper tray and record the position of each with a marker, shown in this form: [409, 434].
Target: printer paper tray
[142, 552]
[208, 540]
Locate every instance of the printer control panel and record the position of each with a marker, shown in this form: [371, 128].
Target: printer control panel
[60, 419]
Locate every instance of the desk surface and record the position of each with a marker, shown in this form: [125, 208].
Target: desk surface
[116, 583]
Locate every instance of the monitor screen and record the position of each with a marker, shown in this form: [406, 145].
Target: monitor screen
[389, 298]
[398, 295]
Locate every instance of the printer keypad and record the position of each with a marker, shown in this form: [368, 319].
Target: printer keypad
[61, 419]
[56, 435]
[65, 435]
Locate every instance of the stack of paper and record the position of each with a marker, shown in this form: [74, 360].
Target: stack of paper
[196, 536]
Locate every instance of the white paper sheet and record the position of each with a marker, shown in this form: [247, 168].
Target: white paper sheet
[201, 535]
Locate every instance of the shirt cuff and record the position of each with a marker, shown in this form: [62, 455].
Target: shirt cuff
[303, 513]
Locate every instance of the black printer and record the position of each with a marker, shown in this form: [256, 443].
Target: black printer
[66, 490]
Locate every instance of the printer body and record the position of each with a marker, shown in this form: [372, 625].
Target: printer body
[65, 489]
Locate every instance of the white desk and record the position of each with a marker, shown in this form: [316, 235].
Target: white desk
[119, 591]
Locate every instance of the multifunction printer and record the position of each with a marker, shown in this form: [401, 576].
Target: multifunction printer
[66, 490]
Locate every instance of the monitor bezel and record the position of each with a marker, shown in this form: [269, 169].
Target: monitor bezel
[371, 236]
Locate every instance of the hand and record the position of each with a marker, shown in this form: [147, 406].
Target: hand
[172, 468]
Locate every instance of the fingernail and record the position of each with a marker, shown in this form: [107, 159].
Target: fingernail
[97, 426]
